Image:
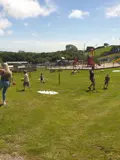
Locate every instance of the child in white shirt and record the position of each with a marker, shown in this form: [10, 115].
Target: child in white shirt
[26, 80]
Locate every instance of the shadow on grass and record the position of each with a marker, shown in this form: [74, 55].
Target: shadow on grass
[21, 90]
[105, 89]
[92, 91]
[1, 105]
[88, 90]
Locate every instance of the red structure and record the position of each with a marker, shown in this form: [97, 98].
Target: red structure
[90, 58]
[91, 61]
[75, 61]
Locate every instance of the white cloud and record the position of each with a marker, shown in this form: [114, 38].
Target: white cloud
[2, 14]
[27, 8]
[113, 12]
[2, 33]
[25, 24]
[35, 34]
[5, 33]
[78, 14]
[21, 9]
[4, 23]
[52, 7]
[9, 32]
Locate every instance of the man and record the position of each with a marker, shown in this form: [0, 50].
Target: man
[92, 79]
[26, 80]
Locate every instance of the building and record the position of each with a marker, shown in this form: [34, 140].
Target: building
[20, 66]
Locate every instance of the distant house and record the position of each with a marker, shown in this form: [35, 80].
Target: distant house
[17, 63]
[19, 66]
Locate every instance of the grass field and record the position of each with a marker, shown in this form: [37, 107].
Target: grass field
[73, 125]
[111, 56]
[98, 52]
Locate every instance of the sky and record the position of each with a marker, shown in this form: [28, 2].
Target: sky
[49, 25]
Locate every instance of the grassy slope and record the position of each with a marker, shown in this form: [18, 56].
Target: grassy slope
[111, 56]
[98, 52]
[74, 125]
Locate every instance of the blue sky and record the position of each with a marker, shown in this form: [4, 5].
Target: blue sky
[49, 25]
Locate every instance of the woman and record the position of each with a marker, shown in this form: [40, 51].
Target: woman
[6, 79]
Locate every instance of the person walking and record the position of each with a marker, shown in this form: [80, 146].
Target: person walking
[107, 79]
[5, 82]
[92, 79]
[26, 80]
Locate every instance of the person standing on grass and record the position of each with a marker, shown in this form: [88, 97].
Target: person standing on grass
[42, 78]
[6, 79]
[26, 80]
[107, 79]
[92, 79]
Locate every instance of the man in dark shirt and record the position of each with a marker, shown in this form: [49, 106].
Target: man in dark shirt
[107, 79]
[92, 79]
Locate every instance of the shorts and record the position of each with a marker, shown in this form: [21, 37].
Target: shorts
[106, 82]
[26, 84]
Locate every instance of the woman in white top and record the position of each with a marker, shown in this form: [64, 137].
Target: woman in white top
[6, 79]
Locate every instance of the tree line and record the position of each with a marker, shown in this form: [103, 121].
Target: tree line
[37, 58]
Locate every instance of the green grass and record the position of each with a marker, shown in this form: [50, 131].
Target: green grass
[100, 51]
[111, 56]
[73, 125]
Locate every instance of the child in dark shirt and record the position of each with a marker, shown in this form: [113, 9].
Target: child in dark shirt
[107, 79]
[92, 79]
[42, 78]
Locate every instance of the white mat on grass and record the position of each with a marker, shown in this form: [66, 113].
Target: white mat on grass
[115, 71]
[48, 92]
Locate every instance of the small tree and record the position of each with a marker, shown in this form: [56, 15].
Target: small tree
[106, 44]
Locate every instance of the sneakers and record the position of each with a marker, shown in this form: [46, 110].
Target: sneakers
[89, 88]
[4, 103]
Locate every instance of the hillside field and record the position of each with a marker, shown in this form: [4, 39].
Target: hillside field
[100, 51]
[73, 125]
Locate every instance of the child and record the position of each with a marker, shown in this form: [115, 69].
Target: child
[92, 79]
[107, 79]
[26, 80]
[42, 78]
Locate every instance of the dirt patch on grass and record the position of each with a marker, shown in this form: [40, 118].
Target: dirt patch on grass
[9, 157]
